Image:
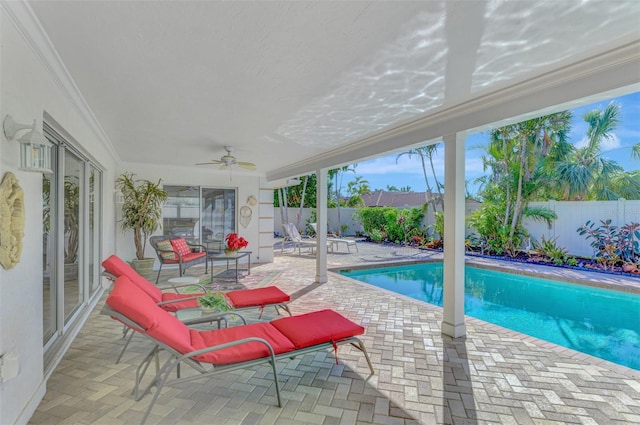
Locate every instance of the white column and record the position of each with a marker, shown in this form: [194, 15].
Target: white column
[321, 215]
[454, 211]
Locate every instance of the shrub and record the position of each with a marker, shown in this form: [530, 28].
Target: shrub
[612, 244]
[396, 225]
[550, 249]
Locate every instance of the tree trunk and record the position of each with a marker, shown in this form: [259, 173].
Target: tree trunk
[440, 197]
[304, 190]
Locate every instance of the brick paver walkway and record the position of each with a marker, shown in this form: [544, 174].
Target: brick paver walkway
[491, 376]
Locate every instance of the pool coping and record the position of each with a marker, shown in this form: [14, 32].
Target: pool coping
[578, 277]
[596, 361]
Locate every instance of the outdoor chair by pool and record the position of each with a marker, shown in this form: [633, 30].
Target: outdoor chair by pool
[210, 352]
[337, 241]
[173, 301]
[292, 234]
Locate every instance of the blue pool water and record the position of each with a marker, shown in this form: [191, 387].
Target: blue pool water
[599, 322]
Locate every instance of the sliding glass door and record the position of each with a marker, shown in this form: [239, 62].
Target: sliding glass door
[71, 223]
[200, 214]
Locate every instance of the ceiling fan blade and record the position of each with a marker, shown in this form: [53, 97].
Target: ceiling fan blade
[246, 165]
[212, 162]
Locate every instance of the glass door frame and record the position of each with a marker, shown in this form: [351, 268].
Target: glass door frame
[86, 294]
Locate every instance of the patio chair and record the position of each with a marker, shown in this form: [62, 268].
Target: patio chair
[172, 249]
[173, 301]
[210, 352]
[335, 240]
[292, 234]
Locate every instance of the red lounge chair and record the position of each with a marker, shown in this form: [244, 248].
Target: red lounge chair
[214, 351]
[174, 301]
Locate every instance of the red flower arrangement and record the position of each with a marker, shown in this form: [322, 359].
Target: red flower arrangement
[235, 242]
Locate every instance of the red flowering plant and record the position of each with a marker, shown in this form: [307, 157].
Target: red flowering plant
[235, 242]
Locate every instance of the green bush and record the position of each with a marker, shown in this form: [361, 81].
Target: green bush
[389, 223]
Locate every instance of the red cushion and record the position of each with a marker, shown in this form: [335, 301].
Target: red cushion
[172, 332]
[316, 328]
[256, 297]
[186, 258]
[129, 300]
[179, 305]
[118, 268]
[241, 352]
[180, 246]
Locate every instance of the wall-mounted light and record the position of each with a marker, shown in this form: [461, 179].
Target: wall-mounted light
[35, 149]
[118, 197]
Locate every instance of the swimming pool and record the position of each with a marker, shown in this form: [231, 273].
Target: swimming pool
[599, 322]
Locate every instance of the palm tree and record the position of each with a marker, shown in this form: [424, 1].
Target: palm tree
[586, 174]
[635, 151]
[357, 188]
[426, 153]
[518, 156]
[337, 174]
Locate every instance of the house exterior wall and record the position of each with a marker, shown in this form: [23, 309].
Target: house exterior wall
[29, 90]
[245, 185]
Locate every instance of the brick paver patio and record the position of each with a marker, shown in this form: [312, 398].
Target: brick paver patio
[491, 376]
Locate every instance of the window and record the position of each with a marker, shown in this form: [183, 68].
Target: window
[200, 214]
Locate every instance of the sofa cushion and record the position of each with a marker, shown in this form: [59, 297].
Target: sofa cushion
[117, 267]
[129, 300]
[166, 250]
[180, 246]
[256, 297]
[241, 352]
[316, 328]
[179, 305]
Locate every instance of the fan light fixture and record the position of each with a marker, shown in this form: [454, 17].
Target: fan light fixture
[228, 161]
[35, 149]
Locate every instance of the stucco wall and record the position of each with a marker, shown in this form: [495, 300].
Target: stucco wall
[246, 185]
[27, 91]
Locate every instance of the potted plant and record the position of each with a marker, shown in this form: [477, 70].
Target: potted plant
[141, 212]
[234, 243]
[213, 301]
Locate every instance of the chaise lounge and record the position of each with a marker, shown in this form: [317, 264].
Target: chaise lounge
[210, 352]
[173, 301]
[169, 301]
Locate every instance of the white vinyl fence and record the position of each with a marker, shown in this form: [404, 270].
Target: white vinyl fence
[571, 215]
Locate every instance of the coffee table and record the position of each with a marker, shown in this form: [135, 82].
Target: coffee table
[230, 259]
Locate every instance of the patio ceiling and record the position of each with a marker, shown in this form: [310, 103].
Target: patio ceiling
[298, 85]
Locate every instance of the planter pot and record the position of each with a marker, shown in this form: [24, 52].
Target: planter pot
[144, 267]
[230, 252]
[629, 267]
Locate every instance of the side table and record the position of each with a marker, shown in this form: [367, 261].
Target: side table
[217, 256]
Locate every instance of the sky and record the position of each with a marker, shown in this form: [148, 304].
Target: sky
[405, 171]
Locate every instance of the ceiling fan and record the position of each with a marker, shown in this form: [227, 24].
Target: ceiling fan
[226, 161]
